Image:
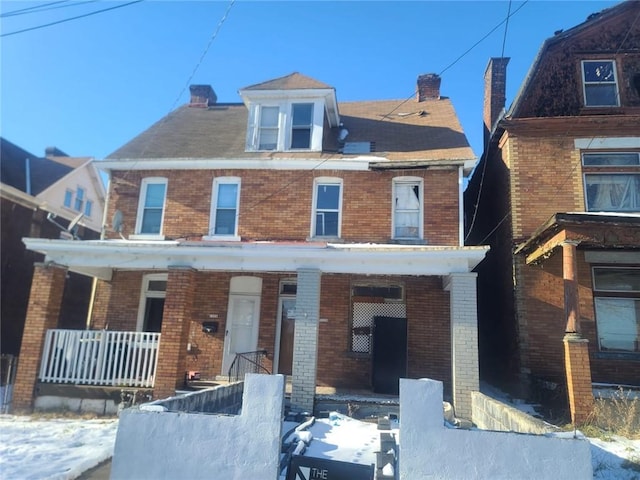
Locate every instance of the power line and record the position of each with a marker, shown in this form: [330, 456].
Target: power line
[43, 9]
[30, 9]
[506, 27]
[69, 19]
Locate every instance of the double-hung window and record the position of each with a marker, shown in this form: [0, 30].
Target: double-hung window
[268, 131]
[600, 83]
[151, 206]
[283, 125]
[407, 211]
[79, 204]
[301, 125]
[225, 208]
[327, 204]
[616, 292]
[612, 181]
[68, 198]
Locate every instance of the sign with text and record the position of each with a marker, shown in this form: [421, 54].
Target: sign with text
[310, 468]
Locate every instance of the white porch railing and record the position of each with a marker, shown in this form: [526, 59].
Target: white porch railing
[100, 357]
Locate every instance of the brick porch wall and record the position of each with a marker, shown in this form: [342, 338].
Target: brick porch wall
[578, 378]
[176, 321]
[47, 288]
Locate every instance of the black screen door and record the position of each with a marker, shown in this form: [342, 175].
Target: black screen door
[389, 354]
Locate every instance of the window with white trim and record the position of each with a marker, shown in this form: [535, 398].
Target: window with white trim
[612, 181]
[616, 295]
[407, 211]
[225, 208]
[600, 83]
[151, 206]
[68, 198]
[268, 128]
[301, 125]
[327, 207]
[285, 126]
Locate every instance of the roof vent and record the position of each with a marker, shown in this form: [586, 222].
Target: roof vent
[202, 96]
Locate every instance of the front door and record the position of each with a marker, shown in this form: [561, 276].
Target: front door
[241, 334]
[287, 329]
[389, 354]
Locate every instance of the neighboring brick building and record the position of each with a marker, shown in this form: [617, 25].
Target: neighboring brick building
[557, 197]
[328, 234]
[33, 188]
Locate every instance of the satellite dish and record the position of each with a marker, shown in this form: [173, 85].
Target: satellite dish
[74, 223]
[117, 222]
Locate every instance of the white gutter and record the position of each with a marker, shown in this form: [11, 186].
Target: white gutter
[100, 257]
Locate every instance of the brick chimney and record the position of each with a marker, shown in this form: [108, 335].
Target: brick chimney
[202, 96]
[428, 86]
[495, 86]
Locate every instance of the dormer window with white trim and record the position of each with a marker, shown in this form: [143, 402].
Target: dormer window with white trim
[287, 126]
[289, 114]
[301, 125]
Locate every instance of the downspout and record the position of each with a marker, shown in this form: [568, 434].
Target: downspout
[94, 282]
[27, 175]
[461, 205]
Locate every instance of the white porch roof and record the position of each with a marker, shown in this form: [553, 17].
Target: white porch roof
[98, 258]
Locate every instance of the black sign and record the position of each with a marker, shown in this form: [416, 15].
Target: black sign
[310, 468]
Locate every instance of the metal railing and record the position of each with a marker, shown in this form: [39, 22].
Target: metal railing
[8, 367]
[100, 357]
[247, 362]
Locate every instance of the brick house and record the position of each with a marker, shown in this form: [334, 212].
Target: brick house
[327, 235]
[40, 196]
[557, 197]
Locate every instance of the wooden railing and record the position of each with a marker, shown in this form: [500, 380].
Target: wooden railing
[100, 357]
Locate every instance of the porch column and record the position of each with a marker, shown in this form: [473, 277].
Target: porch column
[464, 340]
[176, 322]
[576, 348]
[305, 341]
[45, 300]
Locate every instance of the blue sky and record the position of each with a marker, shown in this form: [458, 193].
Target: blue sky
[89, 85]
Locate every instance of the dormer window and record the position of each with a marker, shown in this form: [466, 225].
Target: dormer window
[600, 83]
[301, 125]
[268, 132]
[289, 114]
[286, 126]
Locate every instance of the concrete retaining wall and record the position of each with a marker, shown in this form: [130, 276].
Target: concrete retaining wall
[220, 399]
[155, 443]
[491, 414]
[428, 449]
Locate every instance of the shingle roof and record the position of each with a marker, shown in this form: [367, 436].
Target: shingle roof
[400, 130]
[44, 172]
[292, 81]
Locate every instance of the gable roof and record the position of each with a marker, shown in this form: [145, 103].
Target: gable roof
[13, 169]
[293, 81]
[399, 129]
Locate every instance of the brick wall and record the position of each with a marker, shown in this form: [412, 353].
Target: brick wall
[45, 300]
[276, 205]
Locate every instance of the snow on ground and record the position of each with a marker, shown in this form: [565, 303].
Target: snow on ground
[36, 448]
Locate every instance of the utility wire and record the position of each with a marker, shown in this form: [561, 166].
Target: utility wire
[30, 9]
[506, 27]
[69, 19]
[74, 4]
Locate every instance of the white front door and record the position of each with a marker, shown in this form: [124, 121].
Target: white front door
[241, 334]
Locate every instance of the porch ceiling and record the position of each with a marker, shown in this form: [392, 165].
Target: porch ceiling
[100, 257]
[590, 231]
